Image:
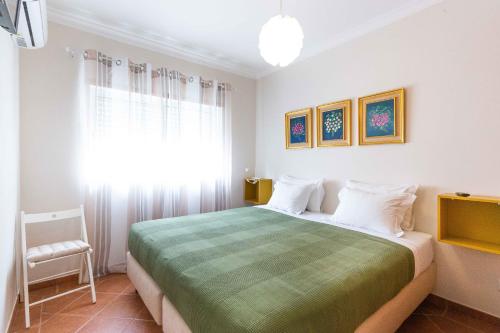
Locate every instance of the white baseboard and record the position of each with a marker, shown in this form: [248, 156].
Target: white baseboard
[11, 317]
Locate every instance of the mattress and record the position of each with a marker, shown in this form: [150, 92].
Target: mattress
[419, 243]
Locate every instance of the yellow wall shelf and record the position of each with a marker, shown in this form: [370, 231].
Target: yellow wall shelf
[472, 222]
[258, 193]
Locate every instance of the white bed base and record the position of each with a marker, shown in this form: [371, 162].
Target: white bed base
[387, 319]
[149, 291]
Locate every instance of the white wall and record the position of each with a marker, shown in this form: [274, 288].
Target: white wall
[448, 59]
[9, 174]
[49, 118]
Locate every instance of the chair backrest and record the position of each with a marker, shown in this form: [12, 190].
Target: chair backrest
[52, 217]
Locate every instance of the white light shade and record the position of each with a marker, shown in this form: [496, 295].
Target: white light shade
[280, 40]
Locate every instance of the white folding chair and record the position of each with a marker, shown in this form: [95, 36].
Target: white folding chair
[49, 252]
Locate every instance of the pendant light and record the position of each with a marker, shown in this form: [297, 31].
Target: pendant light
[281, 39]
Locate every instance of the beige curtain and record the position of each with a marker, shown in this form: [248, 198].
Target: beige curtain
[156, 144]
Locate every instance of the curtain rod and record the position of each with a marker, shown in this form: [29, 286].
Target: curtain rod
[72, 52]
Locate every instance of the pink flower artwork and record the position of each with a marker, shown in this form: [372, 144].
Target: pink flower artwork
[379, 119]
[298, 129]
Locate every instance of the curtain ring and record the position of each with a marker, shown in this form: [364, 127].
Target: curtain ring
[118, 62]
[191, 79]
[170, 75]
[85, 54]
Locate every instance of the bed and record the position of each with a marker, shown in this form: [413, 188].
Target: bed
[255, 269]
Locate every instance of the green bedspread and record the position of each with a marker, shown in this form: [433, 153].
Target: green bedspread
[255, 270]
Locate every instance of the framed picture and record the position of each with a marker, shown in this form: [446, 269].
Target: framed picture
[333, 124]
[382, 118]
[298, 129]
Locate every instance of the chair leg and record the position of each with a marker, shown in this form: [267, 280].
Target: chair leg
[21, 293]
[80, 274]
[91, 277]
[26, 295]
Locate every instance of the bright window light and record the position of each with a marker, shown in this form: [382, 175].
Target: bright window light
[174, 145]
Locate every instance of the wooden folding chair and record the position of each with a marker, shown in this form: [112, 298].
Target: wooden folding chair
[49, 252]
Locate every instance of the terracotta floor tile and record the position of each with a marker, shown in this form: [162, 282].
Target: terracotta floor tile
[143, 326]
[18, 324]
[418, 324]
[67, 285]
[126, 306]
[144, 313]
[45, 317]
[73, 277]
[83, 306]
[430, 308]
[106, 325]
[42, 285]
[448, 325]
[33, 329]
[40, 293]
[56, 305]
[470, 321]
[116, 284]
[130, 290]
[61, 323]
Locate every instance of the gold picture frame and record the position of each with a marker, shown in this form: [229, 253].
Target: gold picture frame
[381, 118]
[334, 129]
[298, 129]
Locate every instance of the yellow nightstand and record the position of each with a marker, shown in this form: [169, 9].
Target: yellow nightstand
[472, 222]
[258, 191]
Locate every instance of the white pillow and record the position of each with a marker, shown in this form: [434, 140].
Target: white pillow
[290, 198]
[373, 211]
[381, 188]
[409, 219]
[317, 195]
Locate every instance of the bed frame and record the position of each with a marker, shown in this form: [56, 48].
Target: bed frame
[387, 319]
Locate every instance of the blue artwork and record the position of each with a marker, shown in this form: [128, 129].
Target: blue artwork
[380, 118]
[333, 125]
[298, 130]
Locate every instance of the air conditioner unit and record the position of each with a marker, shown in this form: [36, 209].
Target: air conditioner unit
[26, 20]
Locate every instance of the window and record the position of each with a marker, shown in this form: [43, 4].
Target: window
[148, 140]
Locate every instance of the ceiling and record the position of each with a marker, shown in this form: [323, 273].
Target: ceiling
[224, 33]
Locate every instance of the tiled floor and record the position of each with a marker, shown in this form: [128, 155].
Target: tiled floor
[120, 309]
[436, 315]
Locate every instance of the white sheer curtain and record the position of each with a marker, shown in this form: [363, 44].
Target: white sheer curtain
[156, 144]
